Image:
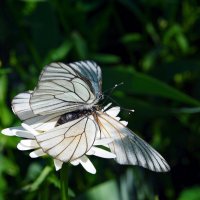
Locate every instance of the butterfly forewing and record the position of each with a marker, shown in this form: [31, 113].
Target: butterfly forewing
[66, 88]
[91, 71]
[128, 147]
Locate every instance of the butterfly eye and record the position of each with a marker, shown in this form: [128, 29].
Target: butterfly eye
[101, 97]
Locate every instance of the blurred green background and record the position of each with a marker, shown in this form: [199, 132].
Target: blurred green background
[150, 45]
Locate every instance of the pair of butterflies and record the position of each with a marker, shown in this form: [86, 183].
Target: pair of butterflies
[64, 107]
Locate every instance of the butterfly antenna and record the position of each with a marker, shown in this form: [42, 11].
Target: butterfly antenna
[122, 108]
[111, 91]
[113, 88]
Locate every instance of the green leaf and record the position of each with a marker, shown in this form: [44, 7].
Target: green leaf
[80, 45]
[123, 187]
[139, 83]
[3, 87]
[6, 116]
[33, 171]
[175, 33]
[8, 166]
[190, 194]
[106, 58]
[41, 178]
[131, 37]
[5, 70]
[187, 110]
[59, 53]
[103, 191]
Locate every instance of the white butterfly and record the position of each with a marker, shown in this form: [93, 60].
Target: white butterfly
[64, 108]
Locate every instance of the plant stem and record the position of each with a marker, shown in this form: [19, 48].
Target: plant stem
[64, 181]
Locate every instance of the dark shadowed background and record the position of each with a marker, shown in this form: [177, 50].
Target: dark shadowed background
[150, 45]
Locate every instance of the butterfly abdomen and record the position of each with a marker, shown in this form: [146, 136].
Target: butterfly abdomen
[67, 117]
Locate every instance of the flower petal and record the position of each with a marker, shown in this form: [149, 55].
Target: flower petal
[75, 162]
[24, 134]
[58, 164]
[29, 128]
[117, 118]
[107, 106]
[17, 131]
[22, 147]
[90, 152]
[29, 143]
[37, 153]
[102, 153]
[8, 132]
[103, 141]
[11, 131]
[114, 111]
[87, 165]
[125, 123]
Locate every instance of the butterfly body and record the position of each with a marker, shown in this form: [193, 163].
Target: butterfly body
[67, 117]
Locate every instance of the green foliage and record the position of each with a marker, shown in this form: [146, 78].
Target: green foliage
[151, 46]
[190, 193]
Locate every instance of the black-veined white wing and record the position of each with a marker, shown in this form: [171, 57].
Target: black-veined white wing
[91, 71]
[128, 147]
[71, 140]
[66, 88]
[21, 107]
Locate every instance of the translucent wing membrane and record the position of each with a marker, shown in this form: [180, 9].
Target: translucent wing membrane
[128, 147]
[21, 107]
[91, 71]
[66, 88]
[71, 140]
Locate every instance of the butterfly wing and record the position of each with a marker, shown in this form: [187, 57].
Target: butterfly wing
[91, 71]
[71, 140]
[66, 88]
[128, 147]
[21, 107]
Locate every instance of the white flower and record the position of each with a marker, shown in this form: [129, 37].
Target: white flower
[29, 142]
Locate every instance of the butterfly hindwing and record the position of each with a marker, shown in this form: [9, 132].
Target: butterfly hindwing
[21, 107]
